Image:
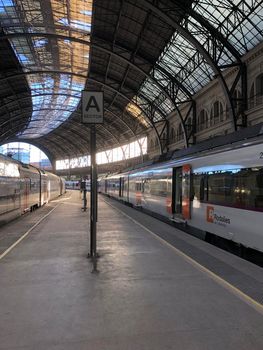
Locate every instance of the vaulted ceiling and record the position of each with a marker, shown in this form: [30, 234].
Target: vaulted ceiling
[149, 57]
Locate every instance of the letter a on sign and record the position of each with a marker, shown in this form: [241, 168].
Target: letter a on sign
[92, 107]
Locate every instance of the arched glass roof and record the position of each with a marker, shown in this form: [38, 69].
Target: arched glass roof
[148, 57]
[55, 67]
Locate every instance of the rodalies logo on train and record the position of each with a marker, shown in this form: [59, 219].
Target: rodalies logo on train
[214, 218]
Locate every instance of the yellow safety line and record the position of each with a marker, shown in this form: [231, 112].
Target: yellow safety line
[26, 234]
[247, 299]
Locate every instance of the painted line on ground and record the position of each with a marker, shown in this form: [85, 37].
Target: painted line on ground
[27, 233]
[234, 290]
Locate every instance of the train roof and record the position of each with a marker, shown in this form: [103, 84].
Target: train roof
[9, 159]
[251, 135]
[245, 137]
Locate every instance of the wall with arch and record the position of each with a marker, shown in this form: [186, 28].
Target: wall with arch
[212, 114]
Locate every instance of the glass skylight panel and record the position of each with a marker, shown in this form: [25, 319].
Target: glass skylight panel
[180, 60]
[40, 53]
[236, 20]
[128, 151]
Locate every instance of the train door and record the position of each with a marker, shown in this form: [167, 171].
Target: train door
[177, 191]
[181, 191]
[25, 198]
[106, 186]
[43, 189]
[121, 187]
[138, 192]
[48, 191]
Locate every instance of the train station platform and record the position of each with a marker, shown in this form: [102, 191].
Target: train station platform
[157, 287]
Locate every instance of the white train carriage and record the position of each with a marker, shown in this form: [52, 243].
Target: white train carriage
[24, 188]
[218, 192]
[9, 190]
[53, 185]
[116, 186]
[30, 187]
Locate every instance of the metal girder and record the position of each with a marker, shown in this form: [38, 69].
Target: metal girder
[163, 90]
[65, 150]
[180, 29]
[19, 116]
[119, 119]
[215, 33]
[242, 73]
[173, 80]
[70, 127]
[118, 22]
[191, 127]
[57, 146]
[72, 121]
[36, 144]
[95, 46]
[69, 73]
[133, 53]
[124, 96]
[39, 71]
[186, 34]
[37, 95]
[104, 128]
[62, 144]
[97, 82]
[13, 129]
[13, 98]
[122, 121]
[118, 92]
[156, 67]
[105, 50]
[128, 128]
[162, 149]
[76, 129]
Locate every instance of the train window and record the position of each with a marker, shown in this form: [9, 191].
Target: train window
[199, 187]
[158, 186]
[169, 185]
[240, 188]
[125, 185]
[121, 186]
[2, 169]
[220, 188]
[146, 186]
[138, 186]
[248, 188]
[11, 170]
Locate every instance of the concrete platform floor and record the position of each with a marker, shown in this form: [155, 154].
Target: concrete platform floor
[146, 296]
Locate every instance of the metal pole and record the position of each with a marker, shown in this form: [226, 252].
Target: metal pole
[93, 196]
[84, 198]
[91, 202]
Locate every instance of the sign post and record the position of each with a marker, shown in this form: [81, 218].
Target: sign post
[92, 113]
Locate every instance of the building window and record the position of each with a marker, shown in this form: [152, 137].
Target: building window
[252, 96]
[189, 124]
[217, 114]
[237, 101]
[202, 120]
[259, 89]
[180, 134]
[172, 136]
